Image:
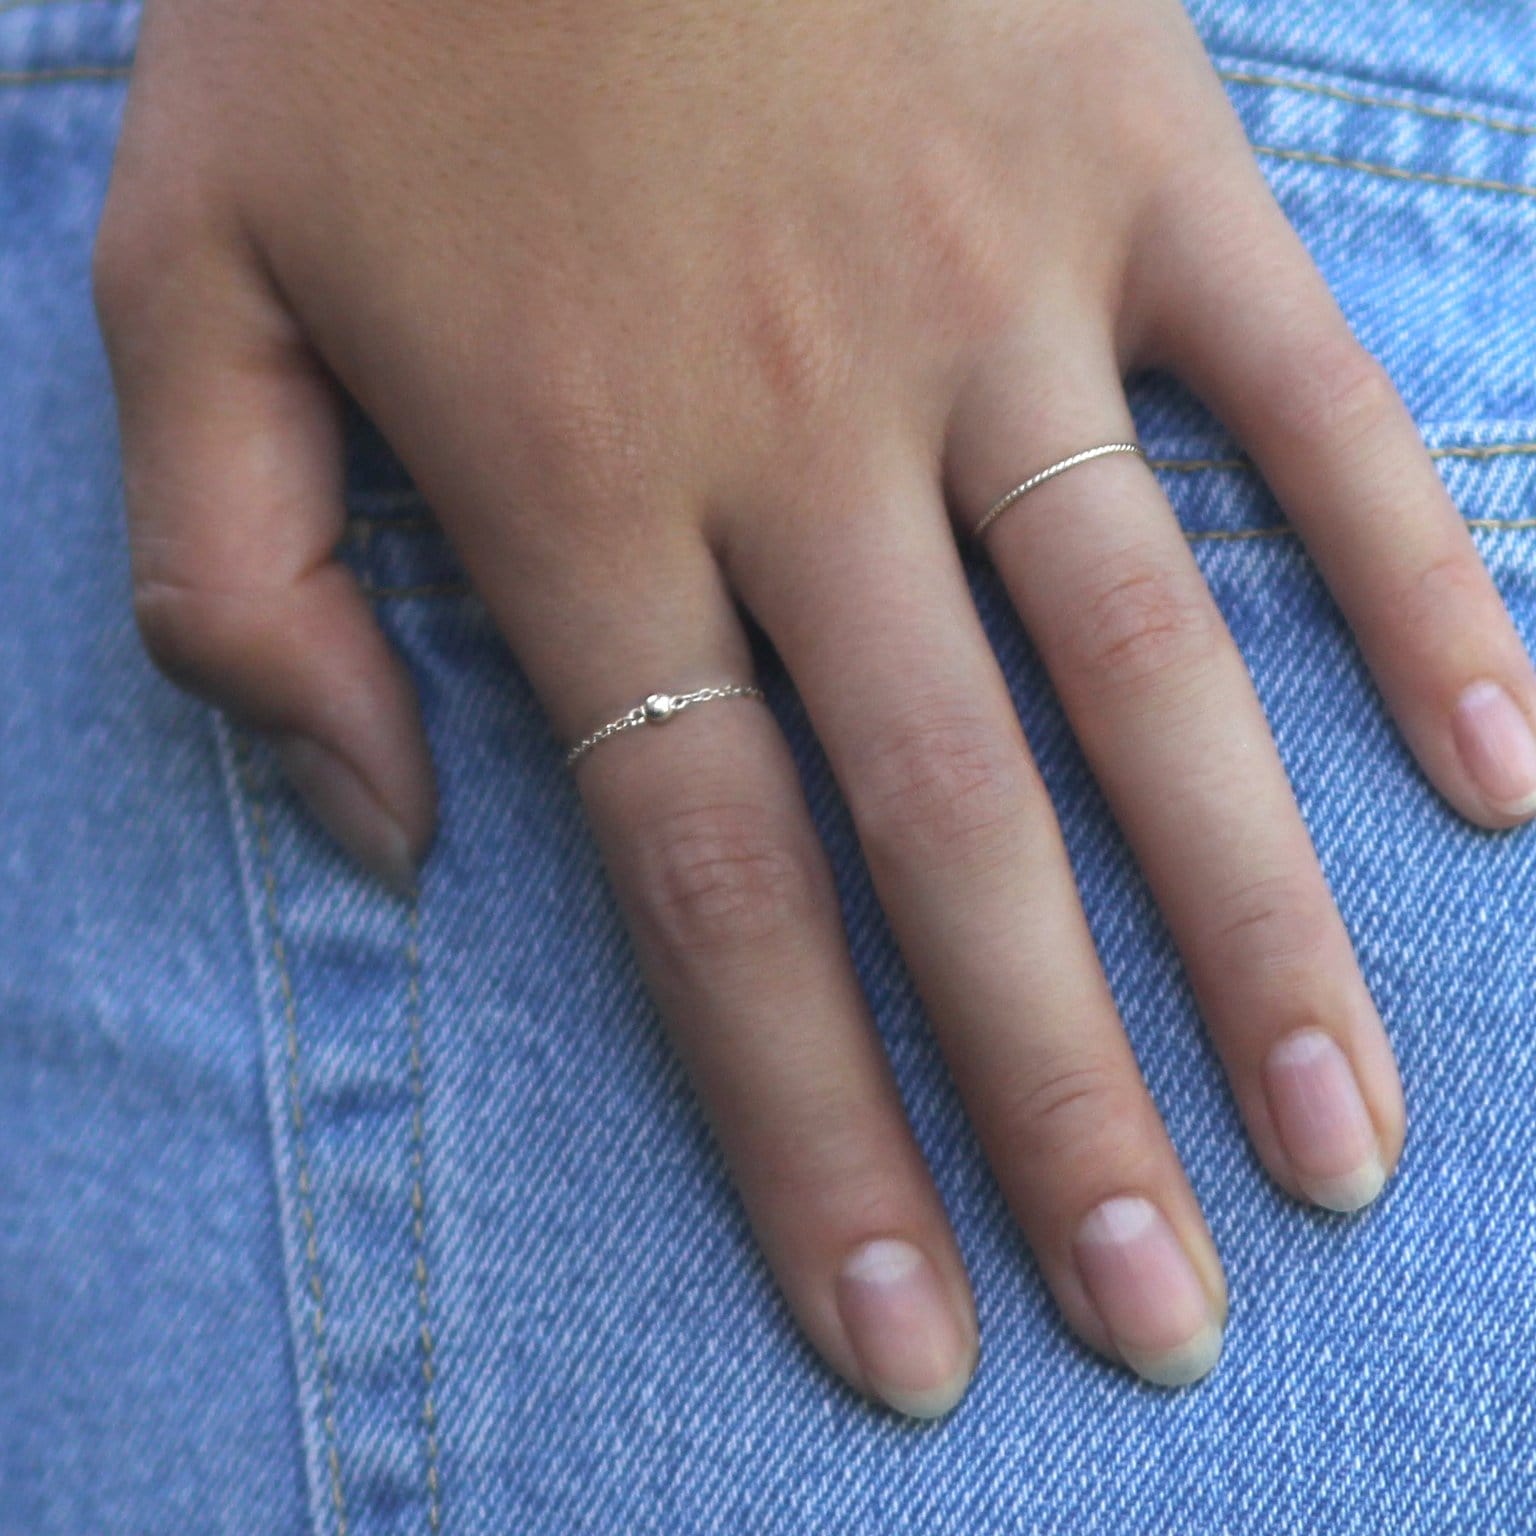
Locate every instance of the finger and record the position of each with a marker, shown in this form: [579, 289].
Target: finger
[1250, 323]
[1163, 706]
[232, 463]
[736, 925]
[877, 627]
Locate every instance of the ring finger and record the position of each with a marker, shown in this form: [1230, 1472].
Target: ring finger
[1162, 704]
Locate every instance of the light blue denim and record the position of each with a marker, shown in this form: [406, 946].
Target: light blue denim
[321, 1213]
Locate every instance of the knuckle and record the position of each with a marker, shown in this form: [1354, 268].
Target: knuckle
[179, 626]
[720, 876]
[836, 1176]
[940, 784]
[1140, 626]
[584, 431]
[1304, 999]
[204, 636]
[577, 437]
[1279, 933]
[792, 333]
[1450, 586]
[964, 253]
[1070, 1109]
[1160, 125]
[1332, 390]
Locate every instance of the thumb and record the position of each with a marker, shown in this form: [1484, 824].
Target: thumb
[233, 468]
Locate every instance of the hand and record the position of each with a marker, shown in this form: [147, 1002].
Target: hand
[672, 306]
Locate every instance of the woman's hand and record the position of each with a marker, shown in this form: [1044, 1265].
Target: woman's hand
[676, 305]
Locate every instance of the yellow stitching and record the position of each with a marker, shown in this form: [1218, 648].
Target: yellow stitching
[361, 527]
[1451, 114]
[363, 523]
[1482, 451]
[1235, 535]
[78, 72]
[419, 1214]
[1485, 524]
[1476, 451]
[1472, 183]
[296, 1114]
[1172, 466]
[1185, 466]
[1492, 524]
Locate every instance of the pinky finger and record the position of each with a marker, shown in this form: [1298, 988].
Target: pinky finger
[1249, 322]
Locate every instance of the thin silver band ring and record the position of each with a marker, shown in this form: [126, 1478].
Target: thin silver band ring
[657, 709]
[1002, 504]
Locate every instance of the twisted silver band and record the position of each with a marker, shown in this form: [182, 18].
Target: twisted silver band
[657, 709]
[1002, 504]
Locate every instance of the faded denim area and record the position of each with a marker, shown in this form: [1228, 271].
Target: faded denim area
[324, 1214]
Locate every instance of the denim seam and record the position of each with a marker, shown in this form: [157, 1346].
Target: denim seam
[247, 791]
[1469, 451]
[1396, 173]
[419, 1211]
[1481, 451]
[1194, 536]
[363, 525]
[1278, 530]
[1361, 99]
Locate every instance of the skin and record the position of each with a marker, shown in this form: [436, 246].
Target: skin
[678, 308]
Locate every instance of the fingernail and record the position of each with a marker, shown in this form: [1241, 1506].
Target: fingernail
[1145, 1288]
[349, 810]
[1323, 1122]
[1497, 747]
[903, 1328]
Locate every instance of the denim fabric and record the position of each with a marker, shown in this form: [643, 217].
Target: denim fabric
[324, 1213]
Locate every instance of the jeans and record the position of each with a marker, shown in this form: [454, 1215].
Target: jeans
[327, 1212]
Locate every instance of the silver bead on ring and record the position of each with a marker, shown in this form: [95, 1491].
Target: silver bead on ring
[657, 709]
